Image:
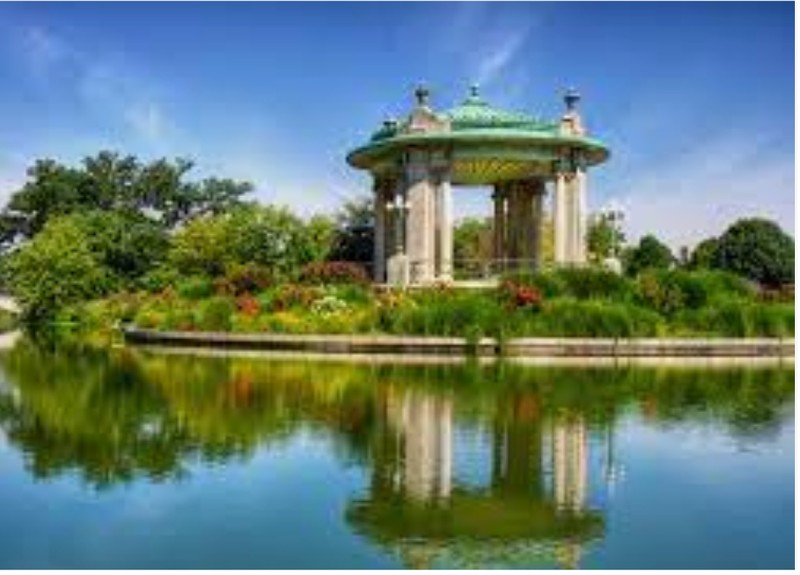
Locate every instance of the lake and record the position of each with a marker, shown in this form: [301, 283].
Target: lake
[146, 459]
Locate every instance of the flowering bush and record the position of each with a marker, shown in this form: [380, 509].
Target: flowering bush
[293, 295]
[248, 305]
[243, 279]
[317, 273]
[521, 296]
[328, 305]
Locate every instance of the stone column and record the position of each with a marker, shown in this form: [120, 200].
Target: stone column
[499, 228]
[560, 231]
[420, 222]
[579, 187]
[512, 225]
[537, 200]
[379, 241]
[525, 229]
[444, 271]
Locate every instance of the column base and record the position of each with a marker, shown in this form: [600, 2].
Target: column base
[398, 271]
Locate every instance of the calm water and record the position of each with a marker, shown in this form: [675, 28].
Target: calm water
[138, 459]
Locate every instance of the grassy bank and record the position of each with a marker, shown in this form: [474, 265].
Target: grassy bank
[582, 302]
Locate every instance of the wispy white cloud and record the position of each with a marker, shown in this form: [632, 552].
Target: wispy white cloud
[499, 56]
[707, 187]
[486, 43]
[106, 88]
[42, 49]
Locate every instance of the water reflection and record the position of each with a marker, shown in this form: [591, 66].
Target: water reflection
[465, 465]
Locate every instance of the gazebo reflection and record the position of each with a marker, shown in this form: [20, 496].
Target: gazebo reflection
[533, 507]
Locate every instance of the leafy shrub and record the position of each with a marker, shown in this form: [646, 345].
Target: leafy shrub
[520, 296]
[589, 282]
[215, 314]
[575, 318]
[244, 279]
[549, 284]
[292, 295]
[323, 273]
[195, 287]
[660, 292]
[149, 318]
[720, 285]
[729, 319]
[248, 305]
[179, 320]
[771, 320]
[159, 279]
[465, 314]
[783, 294]
[328, 305]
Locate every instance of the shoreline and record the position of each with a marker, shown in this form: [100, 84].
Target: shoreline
[518, 348]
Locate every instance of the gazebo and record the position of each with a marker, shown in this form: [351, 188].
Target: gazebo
[416, 161]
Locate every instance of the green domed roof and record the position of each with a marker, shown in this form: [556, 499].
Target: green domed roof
[475, 113]
[483, 143]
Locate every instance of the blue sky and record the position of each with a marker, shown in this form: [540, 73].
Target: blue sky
[696, 100]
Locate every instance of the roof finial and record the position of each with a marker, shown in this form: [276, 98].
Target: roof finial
[571, 99]
[423, 95]
[474, 90]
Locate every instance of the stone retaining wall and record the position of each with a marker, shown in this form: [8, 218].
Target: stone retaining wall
[520, 347]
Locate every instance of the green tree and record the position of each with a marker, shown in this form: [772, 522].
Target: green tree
[203, 246]
[321, 232]
[703, 254]
[604, 238]
[267, 236]
[757, 249]
[56, 268]
[650, 253]
[158, 190]
[127, 245]
[354, 239]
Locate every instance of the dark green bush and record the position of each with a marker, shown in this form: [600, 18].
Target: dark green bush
[195, 287]
[159, 279]
[549, 284]
[452, 313]
[215, 314]
[575, 318]
[593, 283]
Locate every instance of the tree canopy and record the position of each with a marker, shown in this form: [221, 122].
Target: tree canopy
[649, 253]
[757, 249]
[604, 238]
[158, 190]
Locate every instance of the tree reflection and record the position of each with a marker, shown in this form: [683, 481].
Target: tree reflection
[115, 417]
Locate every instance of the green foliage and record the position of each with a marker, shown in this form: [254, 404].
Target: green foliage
[756, 249]
[592, 282]
[244, 279]
[451, 313]
[650, 253]
[604, 238]
[55, 269]
[195, 287]
[592, 318]
[202, 247]
[110, 182]
[127, 245]
[703, 254]
[321, 233]
[215, 314]
[159, 279]
[549, 284]
[472, 240]
[327, 273]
